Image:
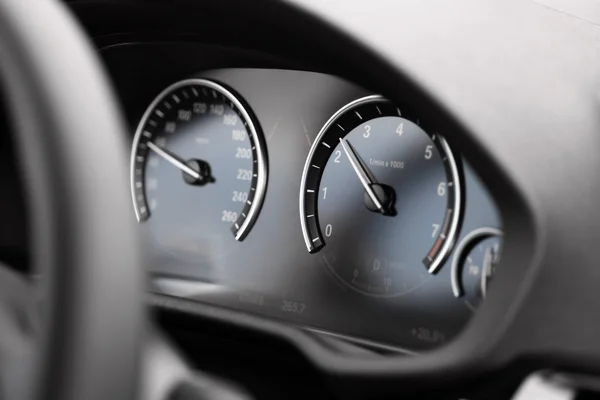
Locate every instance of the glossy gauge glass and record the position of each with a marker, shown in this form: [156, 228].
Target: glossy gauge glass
[380, 198]
[474, 264]
[198, 167]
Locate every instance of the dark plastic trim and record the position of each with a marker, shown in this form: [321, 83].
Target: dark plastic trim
[520, 101]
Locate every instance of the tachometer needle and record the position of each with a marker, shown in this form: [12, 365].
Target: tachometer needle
[364, 175]
[174, 160]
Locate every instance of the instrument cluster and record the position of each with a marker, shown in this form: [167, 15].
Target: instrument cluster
[300, 196]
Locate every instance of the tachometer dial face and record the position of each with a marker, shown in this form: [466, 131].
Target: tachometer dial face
[380, 198]
[198, 166]
[474, 265]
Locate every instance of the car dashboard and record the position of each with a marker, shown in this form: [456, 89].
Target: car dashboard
[290, 184]
[265, 225]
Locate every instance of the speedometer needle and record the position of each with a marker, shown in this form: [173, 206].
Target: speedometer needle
[174, 160]
[364, 175]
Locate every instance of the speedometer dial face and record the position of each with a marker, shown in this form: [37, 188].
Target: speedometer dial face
[198, 166]
[380, 198]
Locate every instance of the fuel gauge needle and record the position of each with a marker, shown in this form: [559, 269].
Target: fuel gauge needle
[486, 273]
[366, 178]
[174, 160]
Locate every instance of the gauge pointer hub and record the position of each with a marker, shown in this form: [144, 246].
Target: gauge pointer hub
[204, 171]
[378, 197]
[195, 172]
[388, 195]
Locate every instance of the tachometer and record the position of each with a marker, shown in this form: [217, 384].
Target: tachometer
[198, 162]
[380, 195]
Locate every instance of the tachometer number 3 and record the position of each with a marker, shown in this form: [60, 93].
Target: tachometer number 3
[367, 132]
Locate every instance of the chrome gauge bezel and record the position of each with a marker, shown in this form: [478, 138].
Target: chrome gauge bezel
[248, 217]
[464, 247]
[449, 239]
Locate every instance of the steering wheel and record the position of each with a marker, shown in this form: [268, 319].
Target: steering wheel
[95, 340]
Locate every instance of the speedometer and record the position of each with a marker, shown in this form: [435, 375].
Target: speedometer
[198, 166]
[378, 179]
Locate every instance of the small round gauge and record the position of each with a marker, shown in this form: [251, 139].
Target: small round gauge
[380, 198]
[198, 166]
[474, 264]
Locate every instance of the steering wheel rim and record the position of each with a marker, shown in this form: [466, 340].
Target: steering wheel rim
[69, 136]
